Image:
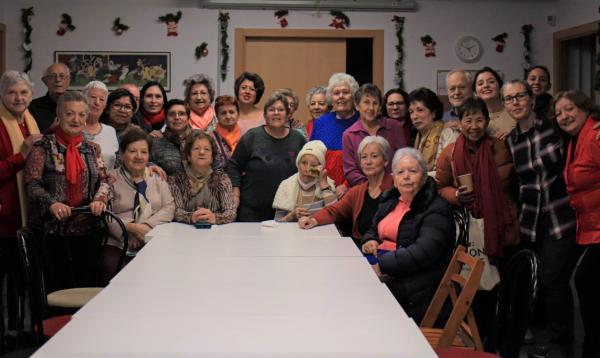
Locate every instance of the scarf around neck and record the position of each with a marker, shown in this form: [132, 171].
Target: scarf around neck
[156, 121]
[178, 139]
[428, 144]
[74, 166]
[142, 209]
[231, 137]
[196, 180]
[202, 121]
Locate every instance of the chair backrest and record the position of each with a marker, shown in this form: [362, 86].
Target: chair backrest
[461, 218]
[459, 291]
[517, 297]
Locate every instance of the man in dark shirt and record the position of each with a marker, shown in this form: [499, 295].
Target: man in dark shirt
[57, 78]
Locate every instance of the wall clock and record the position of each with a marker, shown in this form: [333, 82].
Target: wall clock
[469, 49]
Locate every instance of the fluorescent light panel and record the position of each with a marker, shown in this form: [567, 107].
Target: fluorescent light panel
[351, 5]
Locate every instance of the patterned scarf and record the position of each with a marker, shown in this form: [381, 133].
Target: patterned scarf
[178, 139]
[74, 165]
[196, 179]
[231, 137]
[428, 144]
[142, 209]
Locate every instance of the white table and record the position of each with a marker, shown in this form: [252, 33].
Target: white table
[273, 302]
[280, 230]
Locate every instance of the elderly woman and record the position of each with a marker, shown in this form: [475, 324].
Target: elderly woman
[329, 127]
[249, 88]
[293, 101]
[309, 189]
[167, 151]
[396, 107]
[426, 112]
[316, 101]
[577, 116]
[199, 94]
[360, 202]
[202, 192]
[368, 103]
[119, 110]
[414, 224]
[142, 200]
[538, 77]
[264, 157]
[227, 133]
[103, 135]
[486, 85]
[152, 108]
[63, 171]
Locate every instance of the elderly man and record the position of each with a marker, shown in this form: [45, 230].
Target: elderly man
[458, 84]
[57, 78]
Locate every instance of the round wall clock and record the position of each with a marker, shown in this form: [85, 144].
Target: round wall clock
[469, 49]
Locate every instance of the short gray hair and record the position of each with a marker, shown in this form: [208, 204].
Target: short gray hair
[339, 78]
[384, 145]
[94, 85]
[409, 152]
[65, 67]
[10, 78]
[316, 90]
[71, 96]
[465, 73]
[199, 79]
[517, 81]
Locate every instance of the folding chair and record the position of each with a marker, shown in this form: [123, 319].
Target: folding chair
[460, 329]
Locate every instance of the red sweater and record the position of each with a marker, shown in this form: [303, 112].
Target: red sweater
[10, 164]
[349, 206]
[582, 175]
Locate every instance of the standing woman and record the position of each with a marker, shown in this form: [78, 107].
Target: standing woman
[202, 192]
[396, 107]
[103, 135]
[264, 157]
[249, 88]
[538, 78]
[577, 116]
[426, 113]
[316, 101]
[368, 103]
[228, 133]
[152, 108]
[199, 94]
[119, 110]
[486, 85]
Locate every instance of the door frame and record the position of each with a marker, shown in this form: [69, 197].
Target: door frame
[242, 35]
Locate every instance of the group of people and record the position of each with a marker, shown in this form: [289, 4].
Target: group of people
[387, 169]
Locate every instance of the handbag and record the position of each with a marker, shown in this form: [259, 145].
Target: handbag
[475, 247]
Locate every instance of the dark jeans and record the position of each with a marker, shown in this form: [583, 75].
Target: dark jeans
[588, 290]
[10, 268]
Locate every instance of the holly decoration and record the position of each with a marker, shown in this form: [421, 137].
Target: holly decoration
[500, 41]
[26, 15]
[429, 44]
[223, 24]
[399, 63]
[281, 17]
[526, 31]
[172, 21]
[66, 24]
[340, 20]
[118, 28]
[201, 51]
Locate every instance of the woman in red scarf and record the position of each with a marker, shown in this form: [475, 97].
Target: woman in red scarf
[64, 171]
[489, 162]
[227, 133]
[153, 98]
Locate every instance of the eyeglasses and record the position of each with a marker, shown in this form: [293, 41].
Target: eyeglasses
[273, 109]
[177, 114]
[395, 104]
[519, 97]
[122, 107]
[57, 76]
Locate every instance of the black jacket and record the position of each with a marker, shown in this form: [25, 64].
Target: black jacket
[425, 243]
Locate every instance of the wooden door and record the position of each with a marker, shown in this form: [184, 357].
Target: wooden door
[2, 48]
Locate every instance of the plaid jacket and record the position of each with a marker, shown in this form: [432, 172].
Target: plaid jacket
[539, 164]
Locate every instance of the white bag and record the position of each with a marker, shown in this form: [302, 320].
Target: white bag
[490, 276]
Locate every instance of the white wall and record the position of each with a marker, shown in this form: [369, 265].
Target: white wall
[570, 13]
[444, 21]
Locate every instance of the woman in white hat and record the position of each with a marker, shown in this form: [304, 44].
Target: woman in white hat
[307, 191]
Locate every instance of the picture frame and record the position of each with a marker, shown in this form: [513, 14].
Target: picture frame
[440, 80]
[115, 68]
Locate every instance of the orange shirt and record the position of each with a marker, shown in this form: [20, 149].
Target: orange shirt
[388, 226]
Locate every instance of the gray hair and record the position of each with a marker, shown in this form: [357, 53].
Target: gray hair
[384, 145]
[71, 96]
[409, 152]
[10, 78]
[341, 78]
[274, 98]
[465, 73]
[199, 79]
[65, 67]
[313, 91]
[517, 82]
[288, 92]
[94, 85]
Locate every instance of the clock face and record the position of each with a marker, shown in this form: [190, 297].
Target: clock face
[469, 49]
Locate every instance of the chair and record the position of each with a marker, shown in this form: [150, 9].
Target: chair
[32, 255]
[460, 329]
[13, 296]
[517, 296]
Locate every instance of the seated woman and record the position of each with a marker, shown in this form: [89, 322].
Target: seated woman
[199, 94]
[414, 224]
[360, 202]
[308, 189]
[64, 171]
[167, 151]
[227, 133]
[119, 110]
[202, 192]
[103, 135]
[142, 199]
[316, 101]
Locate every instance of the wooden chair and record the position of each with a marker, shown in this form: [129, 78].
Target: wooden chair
[460, 329]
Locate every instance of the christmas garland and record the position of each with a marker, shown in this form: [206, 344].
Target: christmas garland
[223, 24]
[27, 47]
[399, 63]
[526, 31]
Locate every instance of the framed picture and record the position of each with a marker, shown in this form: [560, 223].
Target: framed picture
[116, 68]
[440, 80]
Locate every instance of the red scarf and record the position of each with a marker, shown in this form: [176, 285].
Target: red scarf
[489, 202]
[74, 166]
[156, 120]
[231, 137]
